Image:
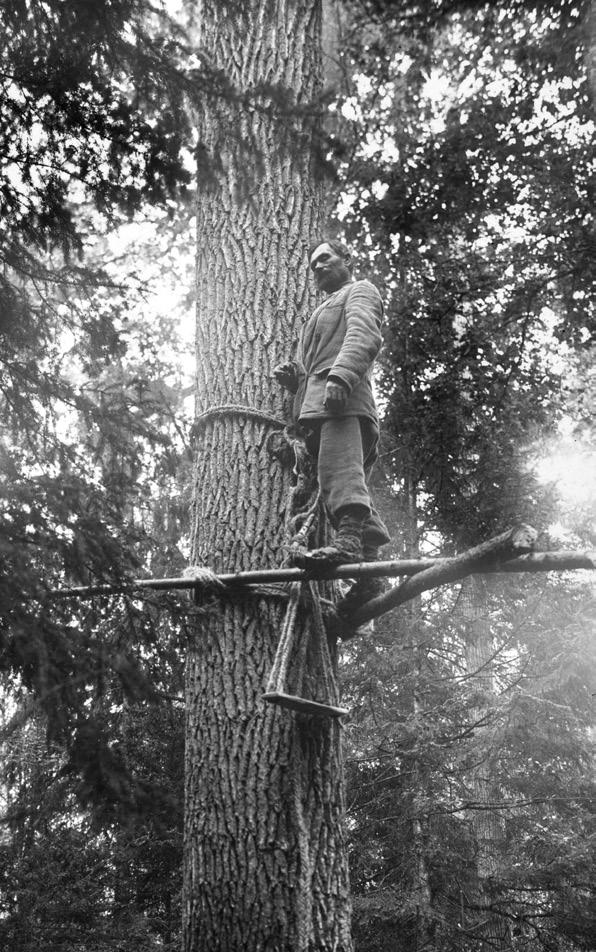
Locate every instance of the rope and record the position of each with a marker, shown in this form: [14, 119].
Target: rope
[207, 583]
[235, 409]
[294, 652]
[279, 671]
[308, 515]
[205, 578]
[299, 541]
[325, 668]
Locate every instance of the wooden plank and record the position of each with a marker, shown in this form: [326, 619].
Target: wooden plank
[304, 705]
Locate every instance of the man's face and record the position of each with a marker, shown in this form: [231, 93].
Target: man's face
[330, 270]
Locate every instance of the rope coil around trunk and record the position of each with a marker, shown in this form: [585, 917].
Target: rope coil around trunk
[235, 409]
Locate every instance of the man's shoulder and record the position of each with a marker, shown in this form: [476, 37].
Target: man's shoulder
[361, 290]
[359, 287]
[364, 285]
[366, 292]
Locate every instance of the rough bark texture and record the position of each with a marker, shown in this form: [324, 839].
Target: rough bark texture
[265, 863]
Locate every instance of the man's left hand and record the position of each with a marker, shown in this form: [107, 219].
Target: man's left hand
[336, 396]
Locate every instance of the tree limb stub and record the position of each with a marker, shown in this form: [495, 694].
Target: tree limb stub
[516, 541]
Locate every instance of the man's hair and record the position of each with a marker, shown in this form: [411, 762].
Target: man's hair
[338, 246]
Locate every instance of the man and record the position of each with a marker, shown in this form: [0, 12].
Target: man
[334, 403]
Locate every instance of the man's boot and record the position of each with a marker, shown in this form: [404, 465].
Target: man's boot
[347, 544]
[363, 589]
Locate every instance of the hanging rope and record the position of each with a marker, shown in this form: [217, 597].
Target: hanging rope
[287, 650]
[323, 663]
[306, 520]
[279, 672]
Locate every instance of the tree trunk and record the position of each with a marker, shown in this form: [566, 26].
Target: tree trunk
[265, 865]
[491, 930]
[422, 899]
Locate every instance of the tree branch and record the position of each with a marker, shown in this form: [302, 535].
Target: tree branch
[489, 554]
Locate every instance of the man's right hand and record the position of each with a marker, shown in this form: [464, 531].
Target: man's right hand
[336, 396]
[287, 375]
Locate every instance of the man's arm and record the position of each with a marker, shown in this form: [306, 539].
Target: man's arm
[362, 341]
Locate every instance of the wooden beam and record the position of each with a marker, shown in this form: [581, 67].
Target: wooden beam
[549, 562]
[304, 705]
[250, 577]
[559, 561]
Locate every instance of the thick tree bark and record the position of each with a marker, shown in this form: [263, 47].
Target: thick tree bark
[265, 864]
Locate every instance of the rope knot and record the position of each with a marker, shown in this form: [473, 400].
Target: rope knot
[206, 582]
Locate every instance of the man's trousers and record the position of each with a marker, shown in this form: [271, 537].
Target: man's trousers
[346, 448]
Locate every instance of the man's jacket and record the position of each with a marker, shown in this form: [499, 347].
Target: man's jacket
[341, 339]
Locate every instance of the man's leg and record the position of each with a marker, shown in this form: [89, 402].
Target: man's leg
[374, 530]
[336, 444]
[375, 533]
[342, 464]
[340, 469]
[342, 477]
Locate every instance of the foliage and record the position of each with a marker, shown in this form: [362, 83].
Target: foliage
[92, 124]
[94, 458]
[475, 181]
[423, 719]
[74, 877]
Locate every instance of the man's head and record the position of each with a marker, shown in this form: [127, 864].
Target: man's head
[331, 264]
